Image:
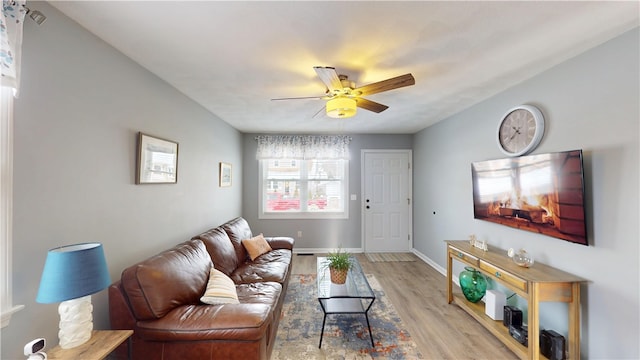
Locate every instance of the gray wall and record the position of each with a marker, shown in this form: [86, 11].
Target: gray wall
[316, 234]
[81, 105]
[590, 103]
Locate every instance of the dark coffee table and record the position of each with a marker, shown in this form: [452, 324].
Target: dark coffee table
[354, 297]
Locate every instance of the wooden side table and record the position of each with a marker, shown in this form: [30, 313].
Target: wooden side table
[101, 344]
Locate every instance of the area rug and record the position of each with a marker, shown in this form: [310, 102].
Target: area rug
[345, 336]
[390, 257]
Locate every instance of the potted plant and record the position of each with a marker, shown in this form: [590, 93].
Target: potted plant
[339, 263]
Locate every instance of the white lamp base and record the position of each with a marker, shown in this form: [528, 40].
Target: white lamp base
[76, 322]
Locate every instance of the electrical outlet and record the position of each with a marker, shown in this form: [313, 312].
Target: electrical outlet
[299, 233]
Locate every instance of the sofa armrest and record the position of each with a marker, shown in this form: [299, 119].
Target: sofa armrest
[120, 314]
[280, 242]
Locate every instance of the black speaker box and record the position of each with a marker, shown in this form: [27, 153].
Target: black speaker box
[512, 316]
[552, 345]
[520, 333]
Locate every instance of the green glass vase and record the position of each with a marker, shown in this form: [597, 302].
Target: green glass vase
[473, 284]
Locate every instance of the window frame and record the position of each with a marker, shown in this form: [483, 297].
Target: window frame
[6, 206]
[262, 214]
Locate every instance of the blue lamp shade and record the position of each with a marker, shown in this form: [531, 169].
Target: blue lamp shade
[73, 271]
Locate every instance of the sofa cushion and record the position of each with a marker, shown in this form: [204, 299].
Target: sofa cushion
[174, 277]
[259, 293]
[235, 322]
[256, 246]
[221, 250]
[275, 256]
[272, 266]
[220, 289]
[238, 229]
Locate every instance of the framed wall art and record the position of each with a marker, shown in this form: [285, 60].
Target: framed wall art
[225, 174]
[157, 161]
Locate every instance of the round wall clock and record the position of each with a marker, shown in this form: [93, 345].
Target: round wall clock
[520, 130]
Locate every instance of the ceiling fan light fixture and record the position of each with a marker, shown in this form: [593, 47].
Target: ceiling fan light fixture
[341, 107]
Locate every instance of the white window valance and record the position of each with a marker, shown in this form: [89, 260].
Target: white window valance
[303, 147]
[11, 22]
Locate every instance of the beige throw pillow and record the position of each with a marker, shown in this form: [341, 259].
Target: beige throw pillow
[256, 246]
[220, 289]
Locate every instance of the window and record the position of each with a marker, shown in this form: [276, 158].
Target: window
[307, 189]
[303, 177]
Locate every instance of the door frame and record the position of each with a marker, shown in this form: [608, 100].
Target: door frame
[409, 153]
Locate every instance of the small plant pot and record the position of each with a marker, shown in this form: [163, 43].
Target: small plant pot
[338, 276]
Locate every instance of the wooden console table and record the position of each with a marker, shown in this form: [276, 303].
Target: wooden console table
[535, 284]
[101, 344]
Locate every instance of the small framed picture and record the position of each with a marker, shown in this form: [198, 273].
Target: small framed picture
[157, 160]
[225, 174]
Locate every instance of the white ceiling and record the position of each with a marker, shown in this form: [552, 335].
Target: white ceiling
[233, 57]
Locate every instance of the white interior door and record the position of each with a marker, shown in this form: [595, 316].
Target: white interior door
[386, 200]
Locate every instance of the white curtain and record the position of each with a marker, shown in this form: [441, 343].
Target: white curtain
[11, 22]
[303, 147]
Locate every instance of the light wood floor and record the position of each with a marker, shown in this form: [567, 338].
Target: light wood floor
[419, 294]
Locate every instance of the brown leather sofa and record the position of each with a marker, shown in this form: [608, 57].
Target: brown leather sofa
[159, 298]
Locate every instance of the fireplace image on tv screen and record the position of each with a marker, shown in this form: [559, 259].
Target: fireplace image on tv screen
[538, 193]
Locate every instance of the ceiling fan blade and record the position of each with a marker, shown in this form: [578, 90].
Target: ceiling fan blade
[329, 77]
[370, 105]
[299, 98]
[386, 85]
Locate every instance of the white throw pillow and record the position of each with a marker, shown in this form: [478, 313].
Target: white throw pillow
[220, 289]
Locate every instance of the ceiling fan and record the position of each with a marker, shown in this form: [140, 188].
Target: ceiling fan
[343, 97]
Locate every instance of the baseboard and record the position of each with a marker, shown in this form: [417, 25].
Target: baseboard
[434, 265]
[324, 250]
[429, 262]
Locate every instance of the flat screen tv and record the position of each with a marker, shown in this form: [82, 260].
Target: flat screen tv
[539, 193]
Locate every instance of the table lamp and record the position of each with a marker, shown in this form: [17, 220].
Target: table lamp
[71, 274]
